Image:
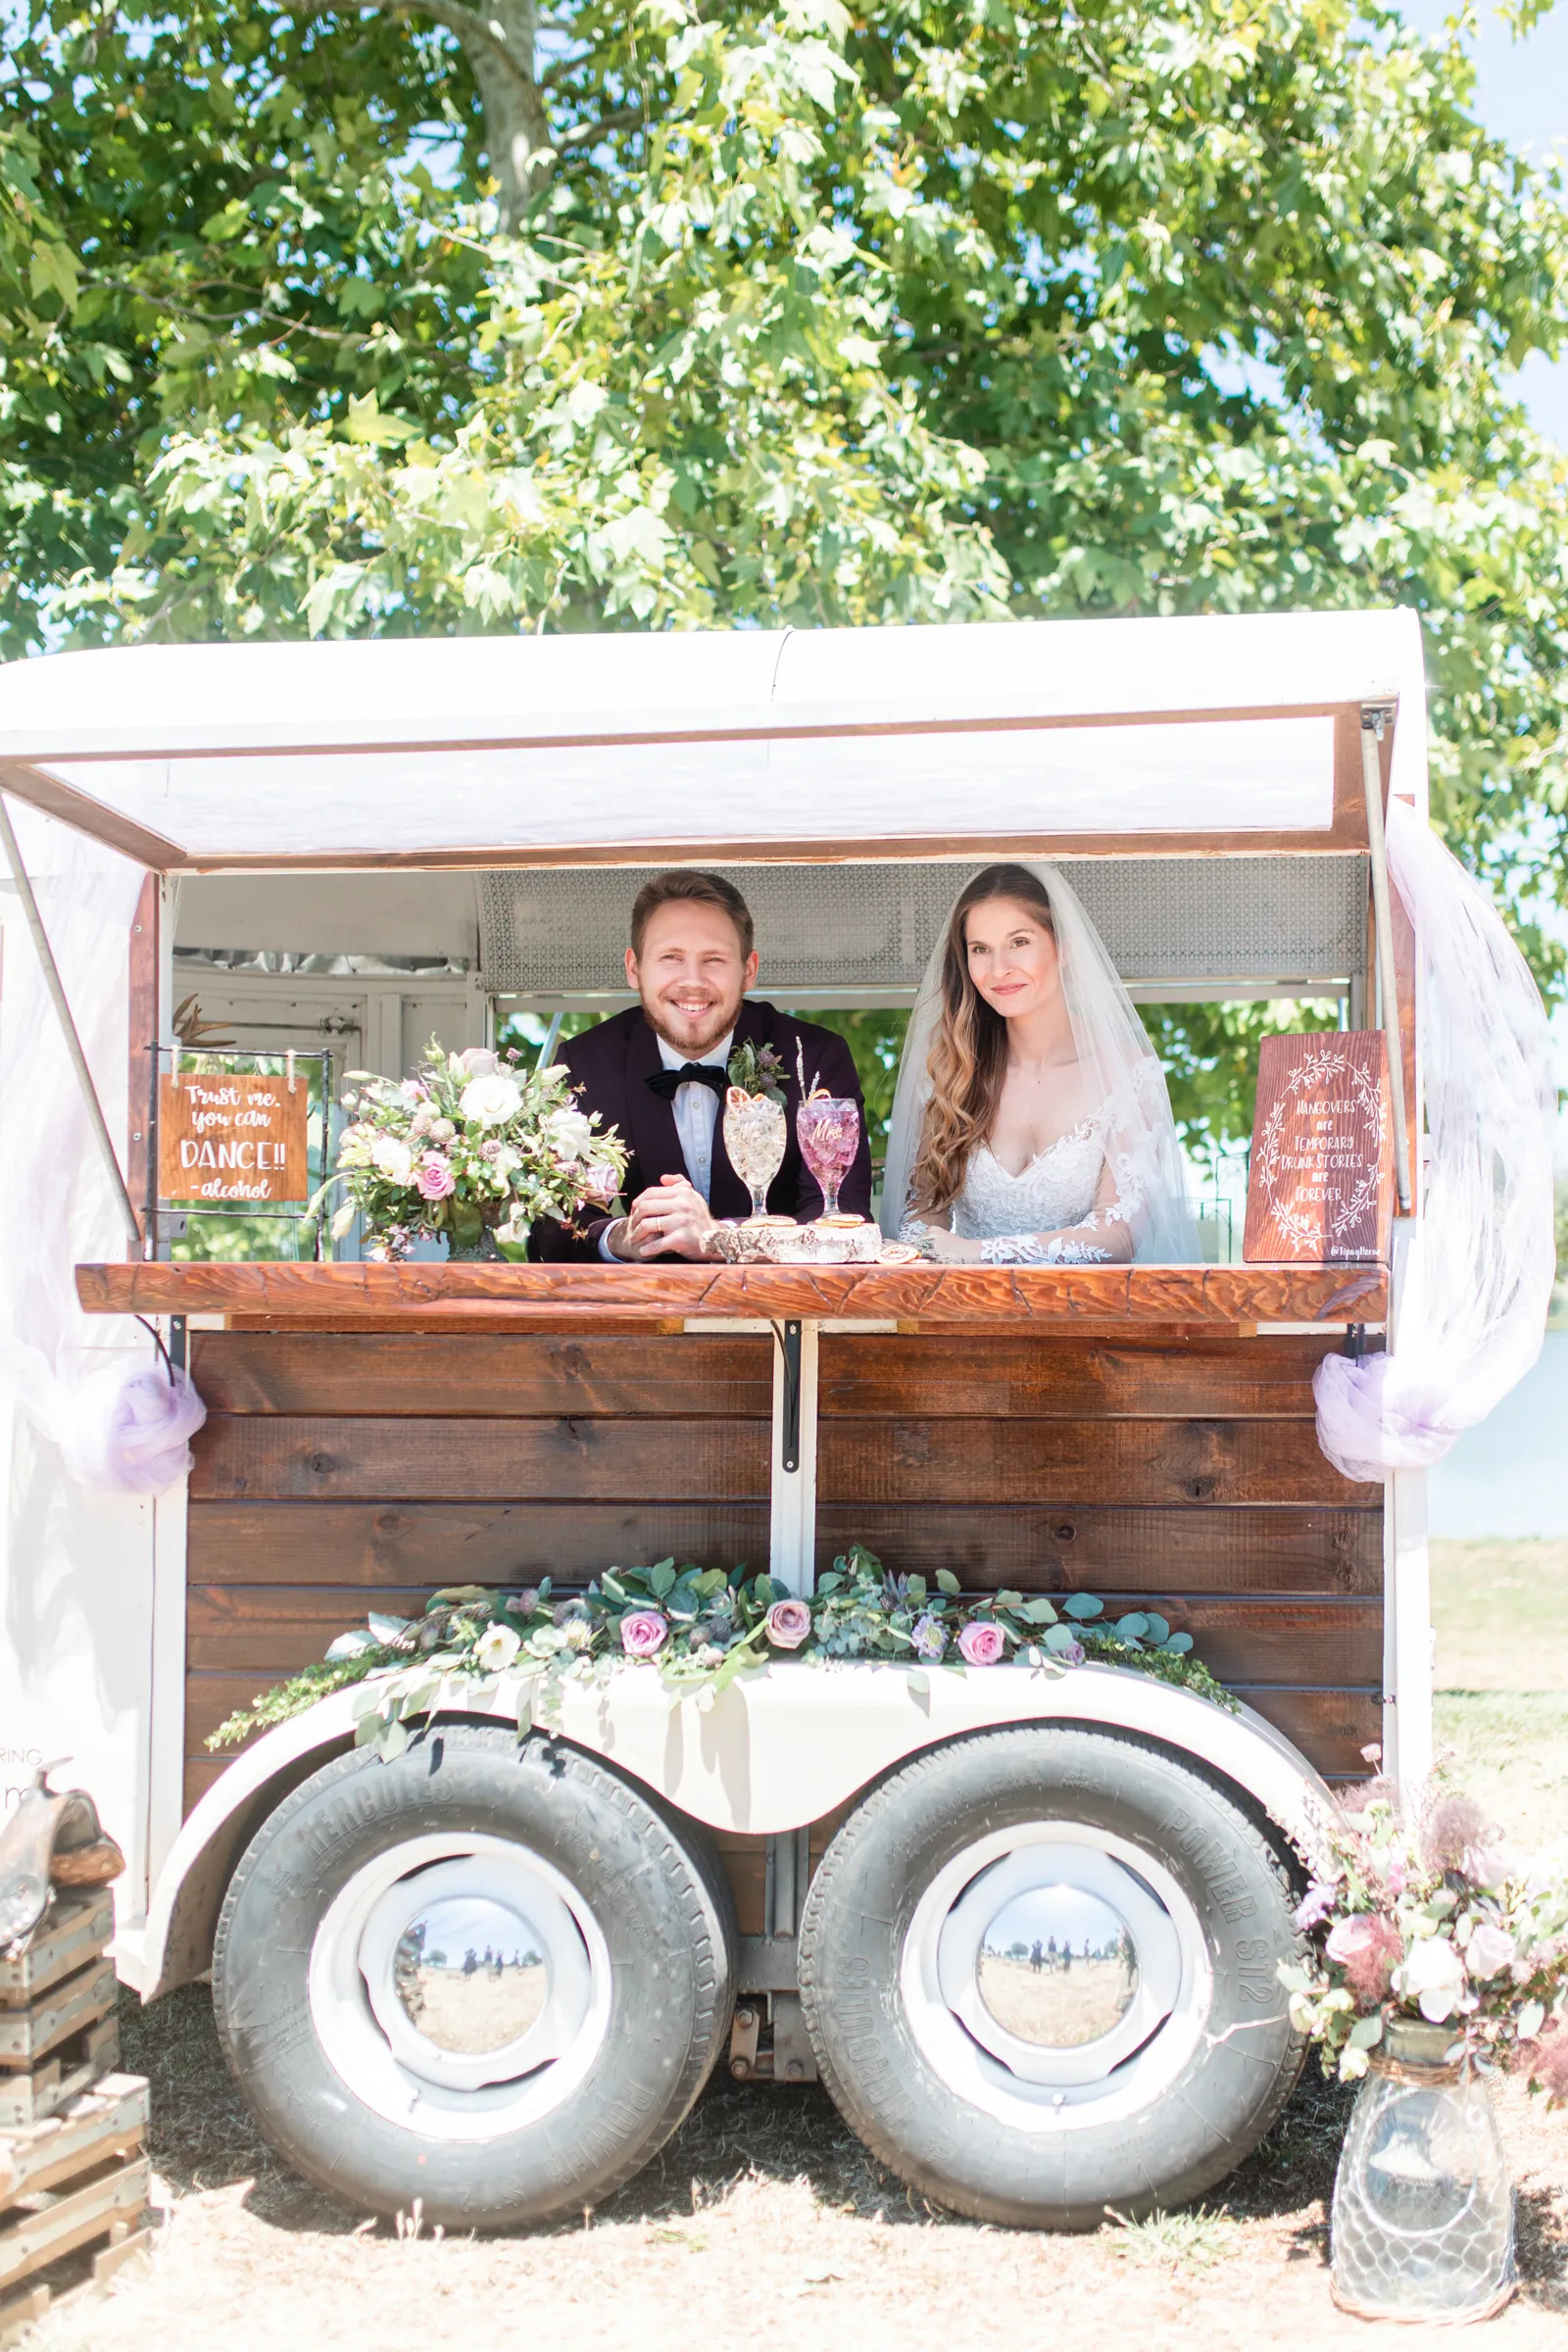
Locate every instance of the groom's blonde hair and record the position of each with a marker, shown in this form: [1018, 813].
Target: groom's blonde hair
[969, 1057]
[690, 885]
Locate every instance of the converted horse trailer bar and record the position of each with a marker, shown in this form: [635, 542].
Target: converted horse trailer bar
[462, 823]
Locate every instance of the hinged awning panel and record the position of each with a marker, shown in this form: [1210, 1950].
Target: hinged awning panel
[622, 748]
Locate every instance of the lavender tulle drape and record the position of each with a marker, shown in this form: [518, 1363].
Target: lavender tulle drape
[1478, 1280]
[94, 1387]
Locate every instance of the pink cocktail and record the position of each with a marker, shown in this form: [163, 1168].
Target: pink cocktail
[828, 1128]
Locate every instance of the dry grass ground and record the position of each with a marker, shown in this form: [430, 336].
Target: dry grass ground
[766, 2212]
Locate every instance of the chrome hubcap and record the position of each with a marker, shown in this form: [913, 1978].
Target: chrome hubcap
[1056, 1975]
[460, 1985]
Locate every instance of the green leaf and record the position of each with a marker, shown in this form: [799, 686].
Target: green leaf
[1083, 1605]
[53, 269]
[1366, 2033]
[1038, 1611]
[1156, 1627]
[947, 1582]
[661, 1580]
[368, 427]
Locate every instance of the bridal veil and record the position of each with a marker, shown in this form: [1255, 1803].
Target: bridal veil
[1120, 1069]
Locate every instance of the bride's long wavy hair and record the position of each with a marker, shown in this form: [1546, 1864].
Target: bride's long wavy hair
[968, 1057]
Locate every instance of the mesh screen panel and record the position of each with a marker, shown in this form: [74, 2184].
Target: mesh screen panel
[563, 931]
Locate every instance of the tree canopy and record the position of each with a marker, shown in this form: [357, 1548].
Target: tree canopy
[416, 316]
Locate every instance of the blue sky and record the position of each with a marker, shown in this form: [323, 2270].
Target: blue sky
[1522, 94]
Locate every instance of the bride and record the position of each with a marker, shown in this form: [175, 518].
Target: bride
[1031, 1125]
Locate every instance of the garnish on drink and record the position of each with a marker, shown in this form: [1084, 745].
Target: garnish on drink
[755, 1130]
[827, 1128]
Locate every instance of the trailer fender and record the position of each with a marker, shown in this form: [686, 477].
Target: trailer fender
[782, 1747]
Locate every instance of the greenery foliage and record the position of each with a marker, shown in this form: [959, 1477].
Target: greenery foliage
[702, 1627]
[405, 318]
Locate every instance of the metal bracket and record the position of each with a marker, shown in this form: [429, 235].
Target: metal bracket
[1355, 1342]
[788, 1336]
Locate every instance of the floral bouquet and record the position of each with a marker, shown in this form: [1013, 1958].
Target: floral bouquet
[474, 1148]
[702, 1627]
[1422, 1915]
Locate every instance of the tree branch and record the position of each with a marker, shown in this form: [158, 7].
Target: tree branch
[588, 132]
[466, 23]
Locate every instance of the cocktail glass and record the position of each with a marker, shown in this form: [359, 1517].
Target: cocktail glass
[828, 1127]
[754, 1137]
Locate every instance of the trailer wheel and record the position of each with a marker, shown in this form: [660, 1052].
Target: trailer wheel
[1038, 1969]
[488, 1977]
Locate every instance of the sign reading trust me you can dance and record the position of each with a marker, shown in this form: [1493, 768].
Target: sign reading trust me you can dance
[232, 1137]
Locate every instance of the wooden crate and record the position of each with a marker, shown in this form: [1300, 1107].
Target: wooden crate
[30, 2030]
[67, 2183]
[69, 2070]
[77, 1930]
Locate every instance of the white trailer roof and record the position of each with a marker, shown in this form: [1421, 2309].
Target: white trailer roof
[626, 747]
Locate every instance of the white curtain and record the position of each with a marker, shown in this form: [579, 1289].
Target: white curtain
[63, 1370]
[1478, 1282]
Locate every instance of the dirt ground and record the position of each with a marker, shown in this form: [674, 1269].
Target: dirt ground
[765, 2208]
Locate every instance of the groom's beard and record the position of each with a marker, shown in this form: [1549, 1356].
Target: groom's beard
[691, 1034]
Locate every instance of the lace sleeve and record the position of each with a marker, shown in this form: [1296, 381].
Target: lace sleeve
[1042, 1249]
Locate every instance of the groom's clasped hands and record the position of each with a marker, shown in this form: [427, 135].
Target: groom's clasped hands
[669, 1219]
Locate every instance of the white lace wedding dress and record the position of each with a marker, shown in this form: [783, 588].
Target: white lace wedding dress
[1052, 1212]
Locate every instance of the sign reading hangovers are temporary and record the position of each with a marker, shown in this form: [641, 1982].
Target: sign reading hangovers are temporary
[232, 1137]
[1321, 1186]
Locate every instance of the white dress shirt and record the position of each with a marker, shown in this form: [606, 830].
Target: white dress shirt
[697, 1109]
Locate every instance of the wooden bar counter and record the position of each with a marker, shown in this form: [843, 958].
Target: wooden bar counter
[922, 1295]
[375, 1432]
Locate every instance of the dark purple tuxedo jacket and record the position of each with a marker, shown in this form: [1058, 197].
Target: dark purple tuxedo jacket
[611, 1066]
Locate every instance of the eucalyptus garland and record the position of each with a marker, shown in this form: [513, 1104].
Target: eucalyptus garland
[702, 1627]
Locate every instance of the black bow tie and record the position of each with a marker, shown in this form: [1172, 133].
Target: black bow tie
[690, 1073]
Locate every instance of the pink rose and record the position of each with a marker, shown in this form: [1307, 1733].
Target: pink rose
[643, 1632]
[480, 1063]
[788, 1624]
[600, 1181]
[434, 1177]
[1490, 1950]
[980, 1644]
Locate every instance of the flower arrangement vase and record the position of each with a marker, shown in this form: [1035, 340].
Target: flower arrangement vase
[470, 1239]
[1422, 2225]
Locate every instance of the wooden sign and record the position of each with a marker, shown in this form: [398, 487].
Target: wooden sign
[232, 1138]
[1321, 1188]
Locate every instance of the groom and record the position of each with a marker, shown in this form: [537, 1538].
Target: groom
[658, 1072]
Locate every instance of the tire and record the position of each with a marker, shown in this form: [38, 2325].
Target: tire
[537, 2074]
[960, 2045]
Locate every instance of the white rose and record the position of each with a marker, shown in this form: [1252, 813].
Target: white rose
[491, 1101]
[570, 1134]
[496, 1648]
[391, 1157]
[354, 1152]
[1490, 1950]
[480, 1063]
[1432, 1975]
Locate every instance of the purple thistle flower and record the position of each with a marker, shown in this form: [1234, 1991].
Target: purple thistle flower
[929, 1638]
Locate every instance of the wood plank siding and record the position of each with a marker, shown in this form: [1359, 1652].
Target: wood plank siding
[341, 1471]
